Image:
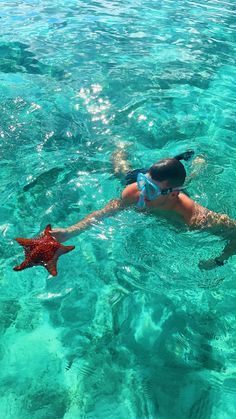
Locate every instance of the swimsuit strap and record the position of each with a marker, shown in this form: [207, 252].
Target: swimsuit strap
[131, 176]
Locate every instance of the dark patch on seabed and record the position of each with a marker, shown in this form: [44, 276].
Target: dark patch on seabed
[16, 57]
[50, 176]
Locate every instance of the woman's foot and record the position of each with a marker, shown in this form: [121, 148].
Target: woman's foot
[120, 161]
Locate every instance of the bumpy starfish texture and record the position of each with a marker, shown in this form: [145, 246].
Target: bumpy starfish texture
[43, 251]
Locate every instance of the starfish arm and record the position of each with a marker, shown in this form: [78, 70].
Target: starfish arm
[51, 266]
[47, 230]
[26, 242]
[22, 266]
[64, 249]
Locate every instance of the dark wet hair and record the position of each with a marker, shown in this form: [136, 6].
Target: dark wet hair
[171, 169]
[166, 169]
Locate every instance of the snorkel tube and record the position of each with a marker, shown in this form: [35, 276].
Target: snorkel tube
[185, 156]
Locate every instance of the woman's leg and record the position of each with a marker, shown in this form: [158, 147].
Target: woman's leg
[120, 162]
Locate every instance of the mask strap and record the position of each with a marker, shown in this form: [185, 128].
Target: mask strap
[141, 202]
[169, 190]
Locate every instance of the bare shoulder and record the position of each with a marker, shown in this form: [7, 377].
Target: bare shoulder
[130, 194]
[185, 207]
[186, 201]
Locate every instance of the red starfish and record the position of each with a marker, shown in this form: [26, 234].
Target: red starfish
[42, 251]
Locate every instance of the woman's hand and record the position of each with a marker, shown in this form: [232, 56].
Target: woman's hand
[60, 234]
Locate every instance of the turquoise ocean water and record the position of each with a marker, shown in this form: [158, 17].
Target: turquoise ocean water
[131, 327]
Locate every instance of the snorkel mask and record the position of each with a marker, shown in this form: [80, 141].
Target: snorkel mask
[150, 190]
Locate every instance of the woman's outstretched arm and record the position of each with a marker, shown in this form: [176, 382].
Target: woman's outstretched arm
[63, 234]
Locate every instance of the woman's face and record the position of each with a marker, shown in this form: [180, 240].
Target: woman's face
[161, 200]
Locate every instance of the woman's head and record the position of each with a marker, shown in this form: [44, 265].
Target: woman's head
[170, 170]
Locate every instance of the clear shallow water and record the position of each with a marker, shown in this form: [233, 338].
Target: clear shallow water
[131, 327]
